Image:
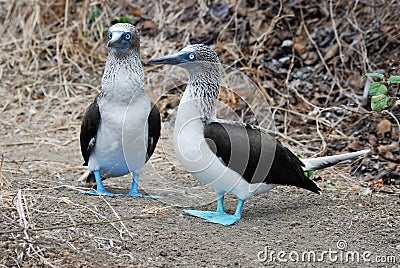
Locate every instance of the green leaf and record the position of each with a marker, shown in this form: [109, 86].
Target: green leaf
[124, 20]
[377, 88]
[394, 79]
[329, 187]
[380, 76]
[95, 14]
[309, 174]
[379, 102]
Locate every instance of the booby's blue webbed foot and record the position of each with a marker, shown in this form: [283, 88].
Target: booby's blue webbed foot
[225, 219]
[219, 216]
[100, 187]
[206, 215]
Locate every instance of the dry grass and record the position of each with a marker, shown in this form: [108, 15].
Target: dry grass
[52, 58]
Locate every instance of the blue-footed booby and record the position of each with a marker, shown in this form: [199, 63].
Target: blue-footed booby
[230, 156]
[120, 129]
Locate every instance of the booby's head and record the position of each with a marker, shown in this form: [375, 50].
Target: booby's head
[195, 58]
[205, 76]
[122, 38]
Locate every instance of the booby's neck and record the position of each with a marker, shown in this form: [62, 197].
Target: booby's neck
[200, 95]
[123, 76]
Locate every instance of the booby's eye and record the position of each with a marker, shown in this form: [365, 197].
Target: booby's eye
[109, 35]
[192, 56]
[128, 36]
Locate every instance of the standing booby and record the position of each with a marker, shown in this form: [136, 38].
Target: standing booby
[120, 129]
[229, 156]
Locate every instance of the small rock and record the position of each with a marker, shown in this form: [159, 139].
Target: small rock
[50, 255]
[287, 43]
[389, 155]
[366, 191]
[284, 59]
[163, 253]
[218, 11]
[308, 85]
[392, 166]
[297, 74]
[383, 149]
[383, 127]
[356, 145]
[333, 51]
[372, 139]
[294, 223]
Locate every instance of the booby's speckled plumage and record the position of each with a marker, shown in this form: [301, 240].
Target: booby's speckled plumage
[229, 156]
[120, 129]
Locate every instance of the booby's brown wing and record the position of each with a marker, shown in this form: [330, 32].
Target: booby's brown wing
[154, 125]
[255, 155]
[89, 127]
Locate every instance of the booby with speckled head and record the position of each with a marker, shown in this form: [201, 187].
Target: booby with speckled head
[230, 156]
[120, 129]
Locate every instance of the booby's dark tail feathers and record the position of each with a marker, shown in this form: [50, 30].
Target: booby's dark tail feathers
[310, 185]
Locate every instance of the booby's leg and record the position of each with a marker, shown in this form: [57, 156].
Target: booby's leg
[207, 215]
[228, 219]
[100, 187]
[220, 204]
[134, 189]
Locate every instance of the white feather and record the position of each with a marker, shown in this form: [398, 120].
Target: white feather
[326, 161]
[84, 176]
[121, 143]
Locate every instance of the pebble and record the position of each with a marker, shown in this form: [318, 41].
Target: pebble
[383, 127]
[284, 59]
[287, 43]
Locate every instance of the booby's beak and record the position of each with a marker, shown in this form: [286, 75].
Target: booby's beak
[174, 59]
[119, 42]
[115, 39]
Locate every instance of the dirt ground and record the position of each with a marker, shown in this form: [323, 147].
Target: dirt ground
[57, 226]
[52, 58]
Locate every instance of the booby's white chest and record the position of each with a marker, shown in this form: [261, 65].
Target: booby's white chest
[121, 142]
[197, 157]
